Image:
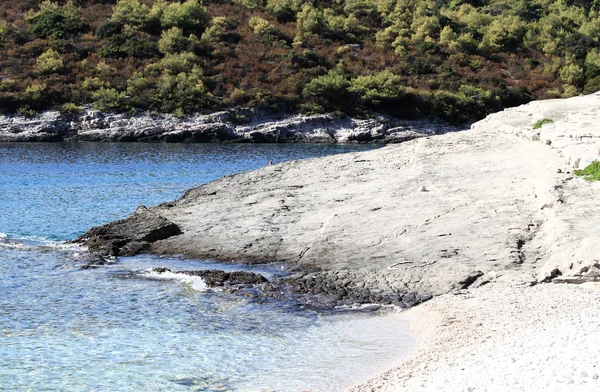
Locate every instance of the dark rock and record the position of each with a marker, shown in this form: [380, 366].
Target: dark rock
[218, 278]
[469, 280]
[130, 236]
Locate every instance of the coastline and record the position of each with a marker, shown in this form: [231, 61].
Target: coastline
[503, 336]
[233, 126]
[487, 221]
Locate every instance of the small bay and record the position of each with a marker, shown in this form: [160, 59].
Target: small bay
[118, 328]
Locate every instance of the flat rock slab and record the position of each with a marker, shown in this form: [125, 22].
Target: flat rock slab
[402, 223]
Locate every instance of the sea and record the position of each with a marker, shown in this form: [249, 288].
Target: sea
[120, 327]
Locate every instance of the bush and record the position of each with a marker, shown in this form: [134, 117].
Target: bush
[455, 108]
[36, 92]
[328, 92]
[172, 41]
[49, 62]
[182, 92]
[222, 29]
[109, 28]
[109, 99]
[54, 20]
[175, 63]
[382, 90]
[131, 12]
[70, 109]
[190, 16]
[130, 43]
[264, 29]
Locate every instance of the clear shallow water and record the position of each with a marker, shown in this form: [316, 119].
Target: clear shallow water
[117, 328]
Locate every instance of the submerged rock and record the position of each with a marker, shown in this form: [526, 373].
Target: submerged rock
[219, 278]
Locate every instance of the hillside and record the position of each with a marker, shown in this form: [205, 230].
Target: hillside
[455, 60]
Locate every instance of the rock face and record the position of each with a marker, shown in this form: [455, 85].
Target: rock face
[409, 221]
[257, 127]
[129, 236]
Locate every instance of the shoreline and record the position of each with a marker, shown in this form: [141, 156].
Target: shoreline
[233, 126]
[488, 217]
[501, 337]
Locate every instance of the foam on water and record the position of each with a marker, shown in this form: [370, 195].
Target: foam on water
[195, 282]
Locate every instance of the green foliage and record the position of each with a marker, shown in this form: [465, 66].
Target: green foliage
[174, 63]
[182, 92]
[252, 4]
[49, 62]
[36, 91]
[70, 108]
[264, 29]
[328, 92]
[131, 12]
[109, 28]
[380, 90]
[109, 99]
[173, 41]
[3, 29]
[539, 123]
[454, 60]
[54, 20]
[190, 16]
[452, 107]
[591, 172]
[129, 43]
[222, 29]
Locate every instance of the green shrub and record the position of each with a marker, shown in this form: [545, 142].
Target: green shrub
[109, 28]
[173, 41]
[131, 12]
[382, 89]
[190, 16]
[184, 92]
[174, 63]
[328, 92]
[54, 20]
[539, 123]
[222, 29]
[109, 99]
[264, 29]
[70, 108]
[36, 92]
[591, 172]
[49, 62]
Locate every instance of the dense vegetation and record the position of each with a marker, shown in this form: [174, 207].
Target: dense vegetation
[455, 59]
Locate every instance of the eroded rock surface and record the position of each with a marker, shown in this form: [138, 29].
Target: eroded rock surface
[129, 236]
[246, 126]
[410, 221]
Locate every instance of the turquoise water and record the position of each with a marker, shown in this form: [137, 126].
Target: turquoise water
[120, 328]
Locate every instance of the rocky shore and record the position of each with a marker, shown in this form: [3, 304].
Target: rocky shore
[404, 223]
[239, 126]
